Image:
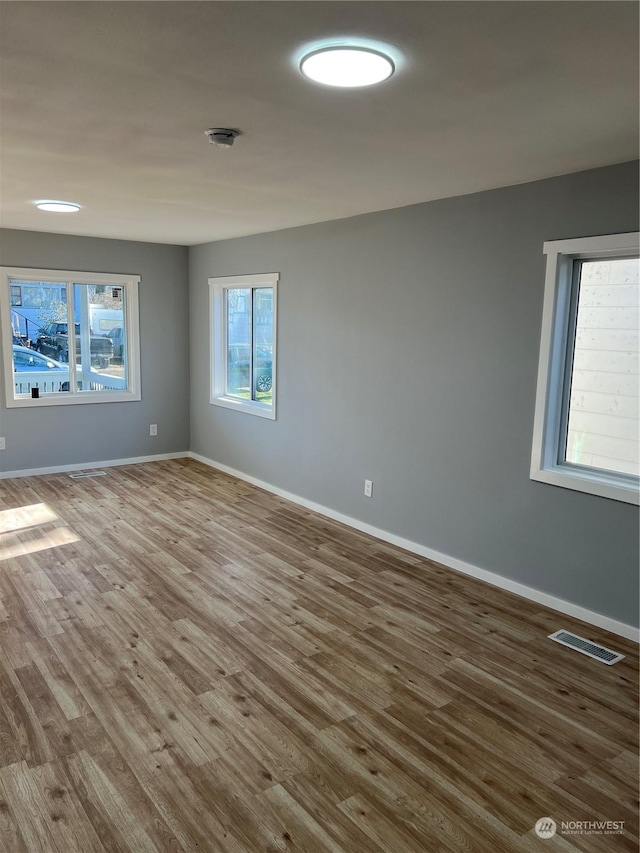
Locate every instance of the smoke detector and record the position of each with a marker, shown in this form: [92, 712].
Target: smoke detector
[222, 137]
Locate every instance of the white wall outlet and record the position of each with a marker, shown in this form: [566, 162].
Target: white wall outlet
[153, 429]
[2, 444]
[368, 488]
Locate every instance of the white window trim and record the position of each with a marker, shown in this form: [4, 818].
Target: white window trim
[130, 283]
[545, 467]
[218, 343]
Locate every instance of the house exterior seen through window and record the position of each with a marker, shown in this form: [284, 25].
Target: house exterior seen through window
[602, 426]
[587, 423]
[69, 337]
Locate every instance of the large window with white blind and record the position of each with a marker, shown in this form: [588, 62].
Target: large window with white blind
[586, 433]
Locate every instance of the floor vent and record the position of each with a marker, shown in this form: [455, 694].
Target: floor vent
[82, 475]
[593, 650]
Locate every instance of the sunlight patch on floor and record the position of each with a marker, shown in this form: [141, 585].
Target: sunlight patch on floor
[11, 546]
[25, 516]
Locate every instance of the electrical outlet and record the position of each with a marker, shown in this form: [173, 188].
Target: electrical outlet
[153, 429]
[368, 488]
[2, 444]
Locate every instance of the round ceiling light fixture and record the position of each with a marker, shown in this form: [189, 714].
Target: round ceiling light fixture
[53, 206]
[347, 66]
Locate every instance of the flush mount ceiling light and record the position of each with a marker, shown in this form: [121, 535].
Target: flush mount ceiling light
[347, 66]
[53, 206]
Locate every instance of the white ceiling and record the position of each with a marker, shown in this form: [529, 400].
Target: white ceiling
[106, 104]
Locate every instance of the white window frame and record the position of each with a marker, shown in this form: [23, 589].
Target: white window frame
[553, 385]
[218, 355]
[130, 285]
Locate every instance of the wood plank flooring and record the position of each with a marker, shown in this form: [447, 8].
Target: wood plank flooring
[191, 664]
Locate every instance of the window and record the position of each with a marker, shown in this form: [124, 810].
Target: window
[243, 318]
[586, 431]
[88, 320]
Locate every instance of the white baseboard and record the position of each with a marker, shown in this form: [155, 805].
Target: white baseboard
[559, 604]
[88, 466]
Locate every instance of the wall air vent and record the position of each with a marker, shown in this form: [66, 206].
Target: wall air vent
[82, 475]
[586, 647]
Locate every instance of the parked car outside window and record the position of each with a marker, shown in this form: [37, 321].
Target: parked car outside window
[239, 366]
[31, 369]
[117, 339]
[53, 340]
[25, 359]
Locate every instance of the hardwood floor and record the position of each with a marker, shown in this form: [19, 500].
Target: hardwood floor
[191, 664]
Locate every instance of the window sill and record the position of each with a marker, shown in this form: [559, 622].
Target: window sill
[61, 398]
[249, 407]
[592, 483]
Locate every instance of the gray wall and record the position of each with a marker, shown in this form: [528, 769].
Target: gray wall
[67, 435]
[407, 354]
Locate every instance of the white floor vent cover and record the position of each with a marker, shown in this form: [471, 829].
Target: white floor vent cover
[88, 474]
[593, 650]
